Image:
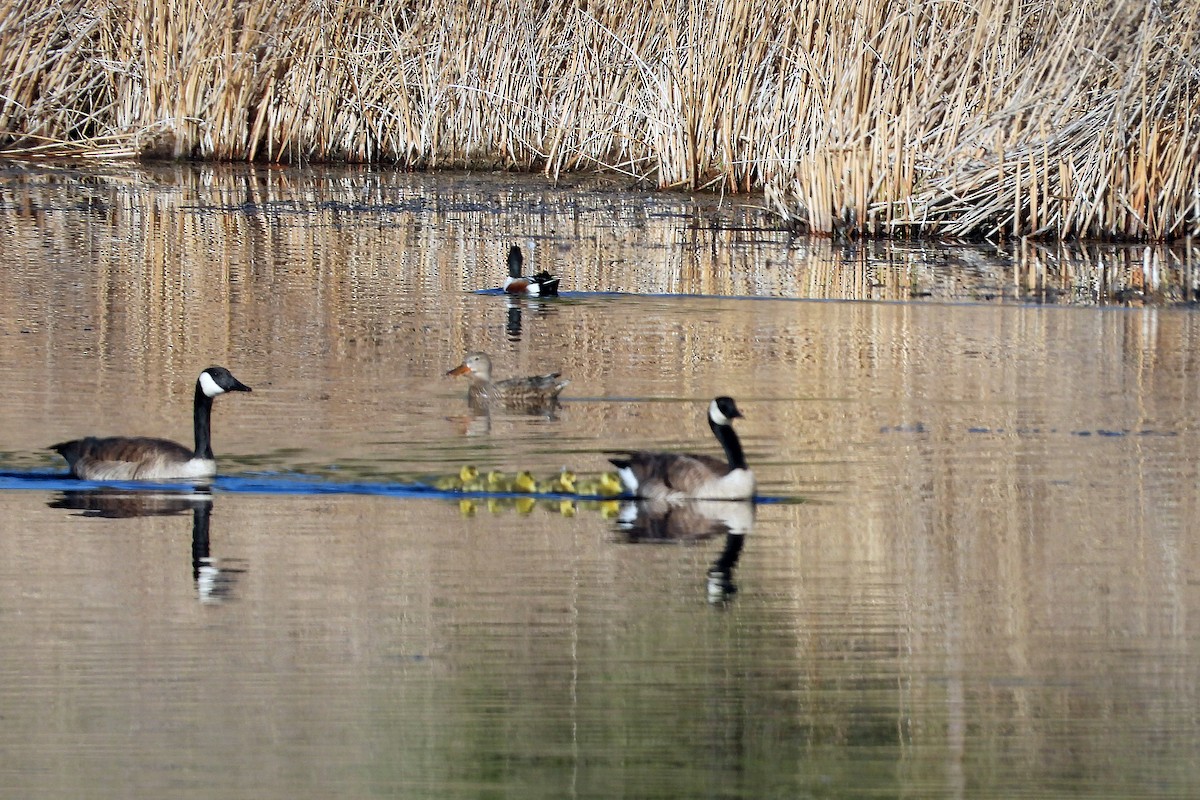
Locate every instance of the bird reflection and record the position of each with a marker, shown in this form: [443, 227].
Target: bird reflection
[720, 575]
[213, 584]
[516, 307]
[693, 521]
[513, 326]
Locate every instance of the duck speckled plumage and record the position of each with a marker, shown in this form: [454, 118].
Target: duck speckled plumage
[535, 394]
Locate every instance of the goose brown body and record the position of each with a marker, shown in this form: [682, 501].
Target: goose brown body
[676, 476]
[534, 393]
[123, 458]
[138, 458]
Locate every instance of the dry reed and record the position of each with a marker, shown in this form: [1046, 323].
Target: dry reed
[1054, 118]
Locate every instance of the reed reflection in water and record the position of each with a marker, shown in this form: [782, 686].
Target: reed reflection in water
[984, 583]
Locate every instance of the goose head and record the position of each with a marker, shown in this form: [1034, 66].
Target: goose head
[723, 411]
[218, 380]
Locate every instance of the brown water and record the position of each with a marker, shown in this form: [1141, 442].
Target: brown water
[984, 581]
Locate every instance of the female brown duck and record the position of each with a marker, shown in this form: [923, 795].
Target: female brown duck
[535, 393]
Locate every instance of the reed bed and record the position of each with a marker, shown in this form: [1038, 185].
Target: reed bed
[1054, 118]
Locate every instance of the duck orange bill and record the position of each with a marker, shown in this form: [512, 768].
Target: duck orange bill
[461, 369]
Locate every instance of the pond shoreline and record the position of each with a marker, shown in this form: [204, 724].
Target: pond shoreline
[923, 118]
[642, 244]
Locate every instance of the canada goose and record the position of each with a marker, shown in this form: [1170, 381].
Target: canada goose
[562, 483]
[536, 393]
[465, 479]
[543, 284]
[675, 476]
[124, 458]
[524, 482]
[497, 481]
[606, 484]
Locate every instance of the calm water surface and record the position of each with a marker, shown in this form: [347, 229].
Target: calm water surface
[973, 571]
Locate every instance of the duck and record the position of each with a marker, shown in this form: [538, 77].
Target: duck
[129, 458]
[678, 476]
[543, 284]
[536, 393]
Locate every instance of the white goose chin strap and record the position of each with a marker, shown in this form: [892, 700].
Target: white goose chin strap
[715, 414]
[209, 386]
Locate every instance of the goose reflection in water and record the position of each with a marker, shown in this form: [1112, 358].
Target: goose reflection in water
[213, 584]
[648, 521]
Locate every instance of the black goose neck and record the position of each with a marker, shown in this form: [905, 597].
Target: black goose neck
[202, 422]
[729, 440]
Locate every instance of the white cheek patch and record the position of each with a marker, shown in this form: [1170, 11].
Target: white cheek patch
[209, 386]
[715, 414]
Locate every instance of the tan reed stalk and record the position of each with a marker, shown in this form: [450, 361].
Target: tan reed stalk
[1060, 118]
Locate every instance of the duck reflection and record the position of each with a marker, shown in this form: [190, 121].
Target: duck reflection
[517, 306]
[213, 584]
[644, 521]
